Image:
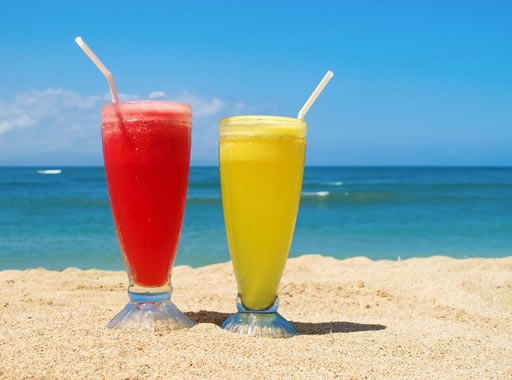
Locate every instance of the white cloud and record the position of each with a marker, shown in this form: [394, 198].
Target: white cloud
[12, 117]
[57, 120]
[122, 97]
[201, 106]
[157, 94]
[33, 107]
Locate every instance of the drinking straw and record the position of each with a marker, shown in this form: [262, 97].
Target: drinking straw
[101, 66]
[315, 94]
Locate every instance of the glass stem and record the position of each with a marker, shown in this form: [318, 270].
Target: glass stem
[139, 293]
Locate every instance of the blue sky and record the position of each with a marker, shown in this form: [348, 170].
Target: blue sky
[414, 84]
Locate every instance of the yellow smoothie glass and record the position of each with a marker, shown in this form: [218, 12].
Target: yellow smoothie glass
[261, 169]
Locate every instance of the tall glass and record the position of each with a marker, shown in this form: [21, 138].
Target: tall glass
[261, 169]
[146, 147]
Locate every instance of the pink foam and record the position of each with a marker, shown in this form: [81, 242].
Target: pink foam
[149, 109]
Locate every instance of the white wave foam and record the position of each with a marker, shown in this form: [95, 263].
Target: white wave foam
[53, 171]
[317, 193]
[339, 183]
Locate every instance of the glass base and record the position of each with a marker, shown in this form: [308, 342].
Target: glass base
[260, 323]
[154, 312]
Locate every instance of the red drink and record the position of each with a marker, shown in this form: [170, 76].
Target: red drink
[146, 147]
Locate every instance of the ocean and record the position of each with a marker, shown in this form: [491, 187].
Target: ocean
[62, 218]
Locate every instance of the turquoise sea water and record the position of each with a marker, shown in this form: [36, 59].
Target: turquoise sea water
[61, 220]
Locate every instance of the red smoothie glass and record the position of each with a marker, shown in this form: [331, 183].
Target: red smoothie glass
[146, 148]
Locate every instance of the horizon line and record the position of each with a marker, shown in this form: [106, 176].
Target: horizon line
[306, 166]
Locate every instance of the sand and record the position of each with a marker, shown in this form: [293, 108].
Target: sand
[420, 318]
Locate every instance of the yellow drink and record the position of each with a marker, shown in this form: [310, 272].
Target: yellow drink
[261, 168]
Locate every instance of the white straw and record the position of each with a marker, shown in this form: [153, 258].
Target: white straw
[101, 66]
[314, 95]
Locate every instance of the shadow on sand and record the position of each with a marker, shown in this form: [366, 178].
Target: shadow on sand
[304, 328]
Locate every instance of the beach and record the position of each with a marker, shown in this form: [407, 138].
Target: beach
[434, 317]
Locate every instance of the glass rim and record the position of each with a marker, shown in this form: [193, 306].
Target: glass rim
[261, 117]
[262, 125]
